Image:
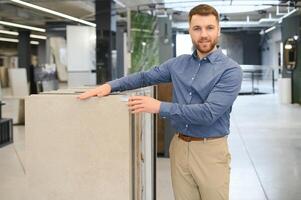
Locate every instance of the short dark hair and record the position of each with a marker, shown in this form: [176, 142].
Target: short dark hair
[204, 10]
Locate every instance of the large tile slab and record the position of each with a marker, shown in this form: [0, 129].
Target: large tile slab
[78, 149]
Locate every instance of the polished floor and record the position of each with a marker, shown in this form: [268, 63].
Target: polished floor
[265, 143]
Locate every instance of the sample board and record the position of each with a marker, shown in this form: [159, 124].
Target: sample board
[93, 149]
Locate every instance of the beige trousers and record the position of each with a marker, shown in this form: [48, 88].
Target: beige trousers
[200, 170]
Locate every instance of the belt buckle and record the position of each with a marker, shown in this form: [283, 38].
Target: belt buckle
[188, 139]
[185, 138]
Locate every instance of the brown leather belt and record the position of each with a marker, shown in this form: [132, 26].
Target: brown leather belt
[189, 138]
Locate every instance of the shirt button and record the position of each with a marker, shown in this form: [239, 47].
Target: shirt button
[205, 58]
[190, 93]
[192, 78]
[186, 126]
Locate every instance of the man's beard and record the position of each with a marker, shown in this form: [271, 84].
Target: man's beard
[209, 46]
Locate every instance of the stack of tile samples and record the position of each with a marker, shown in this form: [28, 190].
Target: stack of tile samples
[93, 149]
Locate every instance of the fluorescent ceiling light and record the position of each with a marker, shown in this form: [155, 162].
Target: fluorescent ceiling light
[296, 37]
[225, 2]
[16, 40]
[262, 20]
[42, 37]
[288, 14]
[270, 29]
[9, 40]
[9, 32]
[229, 24]
[120, 3]
[34, 42]
[288, 46]
[54, 12]
[22, 26]
[222, 6]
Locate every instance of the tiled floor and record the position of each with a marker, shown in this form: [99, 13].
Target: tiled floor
[265, 143]
[269, 135]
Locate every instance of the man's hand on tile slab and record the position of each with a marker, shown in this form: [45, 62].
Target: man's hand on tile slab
[100, 91]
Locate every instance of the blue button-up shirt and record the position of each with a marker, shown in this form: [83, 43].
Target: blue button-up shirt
[203, 91]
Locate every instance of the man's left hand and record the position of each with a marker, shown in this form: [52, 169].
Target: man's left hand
[138, 104]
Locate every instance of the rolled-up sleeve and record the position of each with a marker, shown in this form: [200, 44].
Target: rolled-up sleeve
[219, 100]
[158, 74]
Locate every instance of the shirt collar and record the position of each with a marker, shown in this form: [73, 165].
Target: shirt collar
[212, 57]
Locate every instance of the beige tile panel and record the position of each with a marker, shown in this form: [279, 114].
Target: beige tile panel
[77, 149]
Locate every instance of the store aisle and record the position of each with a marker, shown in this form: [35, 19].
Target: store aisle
[265, 143]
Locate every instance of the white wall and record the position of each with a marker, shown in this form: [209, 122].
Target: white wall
[183, 44]
[81, 41]
[271, 48]
[81, 47]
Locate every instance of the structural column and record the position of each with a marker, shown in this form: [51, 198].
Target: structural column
[103, 9]
[24, 52]
[120, 46]
[42, 53]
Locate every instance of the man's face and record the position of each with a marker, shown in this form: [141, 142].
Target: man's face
[204, 32]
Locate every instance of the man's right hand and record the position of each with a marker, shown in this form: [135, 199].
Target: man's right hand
[100, 91]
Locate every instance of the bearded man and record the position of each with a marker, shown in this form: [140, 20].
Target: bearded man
[205, 85]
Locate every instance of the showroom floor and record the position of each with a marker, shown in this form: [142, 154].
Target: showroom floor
[265, 143]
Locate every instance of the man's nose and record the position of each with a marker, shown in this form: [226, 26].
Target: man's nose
[203, 33]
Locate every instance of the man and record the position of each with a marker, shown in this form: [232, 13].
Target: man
[205, 85]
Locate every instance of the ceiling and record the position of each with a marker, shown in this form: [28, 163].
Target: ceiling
[177, 10]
